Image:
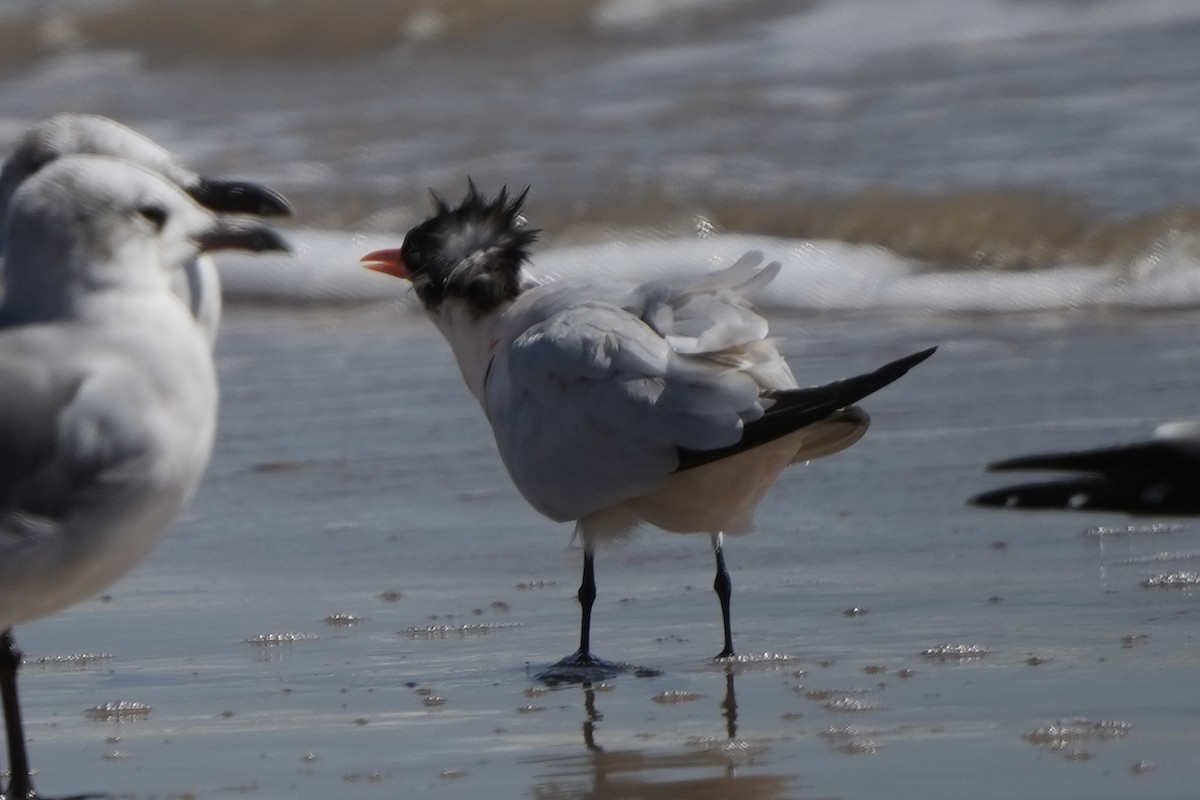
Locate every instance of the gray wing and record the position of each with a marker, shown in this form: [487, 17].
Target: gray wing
[591, 405]
[65, 433]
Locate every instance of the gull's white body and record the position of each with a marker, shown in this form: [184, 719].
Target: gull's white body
[108, 412]
[114, 413]
[591, 389]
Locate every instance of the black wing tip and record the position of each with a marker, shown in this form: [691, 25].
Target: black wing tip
[1156, 456]
[918, 357]
[894, 370]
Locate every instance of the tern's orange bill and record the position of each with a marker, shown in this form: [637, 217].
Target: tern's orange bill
[389, 262]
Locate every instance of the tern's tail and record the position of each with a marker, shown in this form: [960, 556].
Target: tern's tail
[797, 408]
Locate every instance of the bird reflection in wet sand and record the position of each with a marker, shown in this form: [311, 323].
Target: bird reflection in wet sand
[607, 774]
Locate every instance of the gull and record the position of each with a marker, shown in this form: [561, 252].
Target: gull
[109, 405]
[1160, 476]
[616, 405]
[198, 284]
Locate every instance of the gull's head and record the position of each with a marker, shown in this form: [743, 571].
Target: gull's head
[470, 253]
[88, 134]
[88, 223]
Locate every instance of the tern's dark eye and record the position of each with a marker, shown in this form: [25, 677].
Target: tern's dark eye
[155, 215]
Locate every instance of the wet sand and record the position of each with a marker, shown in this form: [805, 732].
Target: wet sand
[355, 482]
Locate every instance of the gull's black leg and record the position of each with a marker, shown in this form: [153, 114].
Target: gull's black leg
[723, 586]
[20, 785]
[20, 782]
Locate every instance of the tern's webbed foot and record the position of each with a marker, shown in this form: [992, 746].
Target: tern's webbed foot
[583, 667]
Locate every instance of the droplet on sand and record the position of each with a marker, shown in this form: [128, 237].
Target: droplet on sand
[1077, 729]
[755, 659]
[119, 711]
[269, 639]
[1101, 532]
[445, 631]
[851, 705]
[1173, 580]
[821, 695]
[852, 740]
[72, 661]
[955, 652]
[535, 585]
[674, 697]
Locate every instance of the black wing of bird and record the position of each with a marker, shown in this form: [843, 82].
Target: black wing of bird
[1154, 477]
[796, 408]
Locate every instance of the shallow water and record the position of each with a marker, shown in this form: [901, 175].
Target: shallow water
[354, 476]
[1010, 133]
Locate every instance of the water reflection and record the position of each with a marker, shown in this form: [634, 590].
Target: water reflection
[716, 769]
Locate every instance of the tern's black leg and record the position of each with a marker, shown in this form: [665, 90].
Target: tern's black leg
[20, 785]
[581, 666]
[587, 597]
[723, 586]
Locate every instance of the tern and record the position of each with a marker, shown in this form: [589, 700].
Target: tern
[616, 405]
[1160, 476]
[109, 405]
[198, 284]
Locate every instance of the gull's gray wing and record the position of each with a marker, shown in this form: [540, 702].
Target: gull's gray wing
[67, 432]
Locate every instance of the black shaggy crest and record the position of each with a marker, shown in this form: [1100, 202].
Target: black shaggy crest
[471, 252]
